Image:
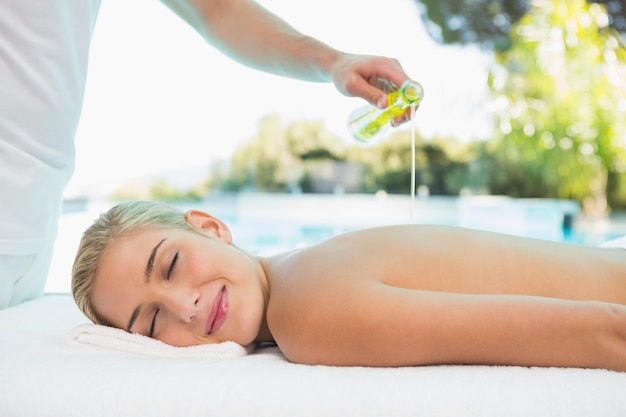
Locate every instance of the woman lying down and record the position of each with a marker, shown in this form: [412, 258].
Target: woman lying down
[386, 296]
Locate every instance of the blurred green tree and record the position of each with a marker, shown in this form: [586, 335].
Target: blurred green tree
[561, 97]
[265, 162]
[489, 22]
[279, 156]
[162, 190]
[291, 157]
[440, 164]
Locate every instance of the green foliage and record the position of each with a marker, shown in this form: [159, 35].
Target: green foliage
[485, 22]
[488, 22]
[160, 190]
[163, 191]
[274, 159]
[387, 165]
[284, 157]
[561, 97]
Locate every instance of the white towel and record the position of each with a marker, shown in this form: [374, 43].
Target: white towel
[88, 334]
[619, 242]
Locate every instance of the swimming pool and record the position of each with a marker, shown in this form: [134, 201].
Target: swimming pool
[269, 223]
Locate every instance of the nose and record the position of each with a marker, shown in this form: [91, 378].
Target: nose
[182, 302]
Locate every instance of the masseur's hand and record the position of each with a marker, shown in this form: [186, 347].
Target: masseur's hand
[370, 78]
[253, 36]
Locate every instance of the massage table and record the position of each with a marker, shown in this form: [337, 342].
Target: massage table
[46, 371]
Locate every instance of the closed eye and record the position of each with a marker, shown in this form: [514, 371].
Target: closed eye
[151, 332]
[172, 266]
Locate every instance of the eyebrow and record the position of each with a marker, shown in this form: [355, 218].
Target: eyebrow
[150, 264]
[147, 273]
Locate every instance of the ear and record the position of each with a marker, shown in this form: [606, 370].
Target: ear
[209, 224]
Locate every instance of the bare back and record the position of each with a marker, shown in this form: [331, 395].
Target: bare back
[359, 278]
[438, 258]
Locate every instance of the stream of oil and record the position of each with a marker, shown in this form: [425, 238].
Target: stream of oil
[413, 108]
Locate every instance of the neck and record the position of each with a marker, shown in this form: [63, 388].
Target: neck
[265, 334]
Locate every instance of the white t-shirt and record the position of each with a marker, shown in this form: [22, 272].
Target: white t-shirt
[44, 49]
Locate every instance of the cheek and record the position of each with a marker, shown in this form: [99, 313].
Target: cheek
[248, 311]
[179, 337]
[108, 305]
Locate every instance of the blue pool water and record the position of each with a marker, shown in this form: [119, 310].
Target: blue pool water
[271, 223]
[268, 223]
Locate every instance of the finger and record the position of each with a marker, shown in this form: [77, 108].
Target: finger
[400, 120]
[403, 118]
[392, 72]
[384, 85]
[371, 93]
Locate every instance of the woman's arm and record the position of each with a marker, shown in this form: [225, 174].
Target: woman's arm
[389, 326]
[250, 34]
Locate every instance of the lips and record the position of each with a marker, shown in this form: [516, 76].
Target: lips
[218, 312]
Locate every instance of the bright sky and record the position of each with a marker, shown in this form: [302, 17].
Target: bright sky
[160, 98]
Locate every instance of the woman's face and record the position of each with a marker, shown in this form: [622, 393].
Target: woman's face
[182, 287]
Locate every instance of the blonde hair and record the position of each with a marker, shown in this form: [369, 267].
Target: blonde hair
[121, 220]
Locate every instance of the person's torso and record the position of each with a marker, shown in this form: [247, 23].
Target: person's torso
[44, 50]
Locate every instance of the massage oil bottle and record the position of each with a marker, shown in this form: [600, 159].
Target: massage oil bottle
[368, 123]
